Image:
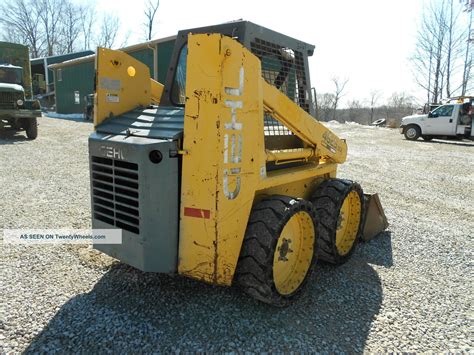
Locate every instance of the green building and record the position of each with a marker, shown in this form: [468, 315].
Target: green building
[74, 79]
[43, 82]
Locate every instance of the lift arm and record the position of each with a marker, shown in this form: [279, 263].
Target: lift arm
[320, 138]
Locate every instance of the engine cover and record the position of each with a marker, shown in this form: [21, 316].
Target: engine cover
[134, 185]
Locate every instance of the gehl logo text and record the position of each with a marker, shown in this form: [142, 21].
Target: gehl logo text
[111, 152]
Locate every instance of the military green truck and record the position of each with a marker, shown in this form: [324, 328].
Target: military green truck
[18, 110]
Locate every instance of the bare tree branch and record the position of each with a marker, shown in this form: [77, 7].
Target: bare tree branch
[87, 22]
[340, 85]
[374, 97]
[70, 27]
[325, 105]
[20, 20]
[50, 15]
[108, 31]
[150, 13]
[437, 58]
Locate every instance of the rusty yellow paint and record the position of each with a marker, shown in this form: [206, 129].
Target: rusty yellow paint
[156, 91]
[223, 138]
[122, 84]
[224, 168]
[223, 151]
[294, 253]
[281, 156]
[295, 174]
[348, 222]
[300, 188]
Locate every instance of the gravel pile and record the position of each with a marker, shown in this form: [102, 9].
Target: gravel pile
[407, 290]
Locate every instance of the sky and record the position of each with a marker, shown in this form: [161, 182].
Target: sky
[368, 42]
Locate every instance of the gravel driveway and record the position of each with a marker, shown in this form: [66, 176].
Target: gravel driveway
[407, 290]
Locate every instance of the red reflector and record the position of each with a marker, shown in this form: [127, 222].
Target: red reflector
[197, 212]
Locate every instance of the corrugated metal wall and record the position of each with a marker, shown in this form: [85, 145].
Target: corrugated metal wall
[76, 81]
[73, 79]
[165, 51]
[37, 65]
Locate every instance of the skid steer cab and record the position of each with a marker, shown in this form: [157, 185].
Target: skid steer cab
[222, 174]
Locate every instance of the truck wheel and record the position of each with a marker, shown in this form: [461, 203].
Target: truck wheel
[16, 124]
[412, 133]
[427, 138]
[32, 128]
[339, 208]
[278, 250]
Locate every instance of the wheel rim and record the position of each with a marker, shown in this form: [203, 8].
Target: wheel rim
[294, 253]
[411, 132]
[348, 223]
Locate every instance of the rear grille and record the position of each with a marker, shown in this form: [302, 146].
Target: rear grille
[8, 99]
[115, 193]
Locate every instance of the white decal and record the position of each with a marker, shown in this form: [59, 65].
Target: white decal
[235, 138]
[112, 98]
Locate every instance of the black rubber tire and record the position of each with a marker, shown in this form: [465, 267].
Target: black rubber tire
[415, 136]
[427, 138]
[16, 124]
[380, 121]
[327, 200]
[254, 273]
[32, 128]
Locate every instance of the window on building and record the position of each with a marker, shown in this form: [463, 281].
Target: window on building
[60, 74]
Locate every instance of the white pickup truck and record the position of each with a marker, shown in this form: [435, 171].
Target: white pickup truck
[454, 119]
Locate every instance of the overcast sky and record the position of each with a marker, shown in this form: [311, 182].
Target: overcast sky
[367, 41]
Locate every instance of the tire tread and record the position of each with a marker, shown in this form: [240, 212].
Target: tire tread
[254, 272]
[328, 200]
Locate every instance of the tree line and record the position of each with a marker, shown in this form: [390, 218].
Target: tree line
[365, 111]
[53, 27]
[441, 63]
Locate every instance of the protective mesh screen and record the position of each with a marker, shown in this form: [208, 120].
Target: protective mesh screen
[283, 68]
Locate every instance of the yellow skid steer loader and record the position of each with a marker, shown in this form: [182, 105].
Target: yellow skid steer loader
[222, 174]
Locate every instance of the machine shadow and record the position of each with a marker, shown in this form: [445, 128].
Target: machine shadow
[12, 136]
[334, 313]
[65, 117]
[462, 143]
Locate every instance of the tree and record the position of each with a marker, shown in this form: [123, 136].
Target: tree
[439, 48]
[468, 54]
[50, 16]
[70, 27]
[51, 27]
[21, 24]
[340, 85]
[325, 105]
[374, 97]
[87, 23]
[401, 100]
[108, 31]
[355, 110]
[150, 13]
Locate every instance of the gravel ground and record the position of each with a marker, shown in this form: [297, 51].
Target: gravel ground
[407, 290]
